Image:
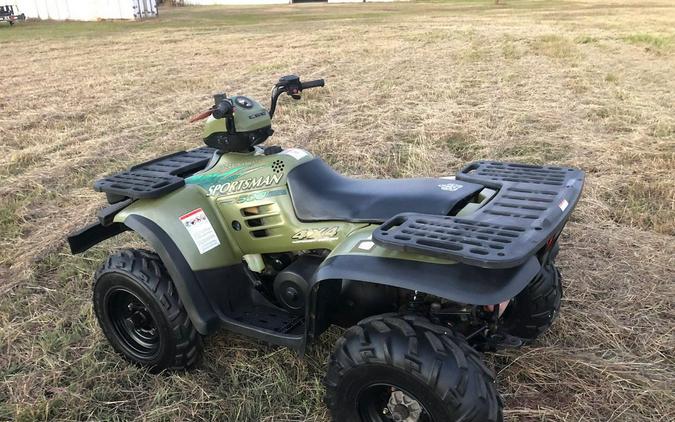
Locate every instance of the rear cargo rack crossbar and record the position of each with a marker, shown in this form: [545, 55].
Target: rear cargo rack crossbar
[531, 206]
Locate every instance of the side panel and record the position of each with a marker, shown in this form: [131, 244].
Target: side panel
[268, 224]
[166, 212]
[250, 193]
[239, 196]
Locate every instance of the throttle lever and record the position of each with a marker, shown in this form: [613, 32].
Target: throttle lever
[292, 85]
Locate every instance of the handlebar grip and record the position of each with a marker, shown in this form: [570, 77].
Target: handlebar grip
[312, 84]
[223, 109]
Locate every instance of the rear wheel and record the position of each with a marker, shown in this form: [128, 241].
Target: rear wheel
[404, 368]
[139, 312]
[532, 312]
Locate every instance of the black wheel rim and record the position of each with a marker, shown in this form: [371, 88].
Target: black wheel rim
[373, 400]
[134, 324]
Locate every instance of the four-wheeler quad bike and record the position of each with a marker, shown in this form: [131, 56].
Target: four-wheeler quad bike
[7, 15]
[276, 245]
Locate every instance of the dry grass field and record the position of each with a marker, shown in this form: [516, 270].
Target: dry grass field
[412, 89]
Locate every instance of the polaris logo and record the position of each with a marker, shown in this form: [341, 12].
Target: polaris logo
[253, 116]
[450, 187]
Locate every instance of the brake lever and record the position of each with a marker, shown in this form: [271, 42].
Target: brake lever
[294, 92]
[201, 116]
[292, 85]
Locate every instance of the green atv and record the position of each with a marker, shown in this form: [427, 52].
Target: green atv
[274, 244]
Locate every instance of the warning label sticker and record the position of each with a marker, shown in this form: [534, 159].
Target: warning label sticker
[295, 153]
[200, 229]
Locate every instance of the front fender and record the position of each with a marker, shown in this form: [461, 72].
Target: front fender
[192, 296]
[158, 222]
[166, 211]
[196, 303]
[93, 234]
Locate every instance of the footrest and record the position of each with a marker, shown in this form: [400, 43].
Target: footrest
[157, 177]
[531, 206]
[268, 318]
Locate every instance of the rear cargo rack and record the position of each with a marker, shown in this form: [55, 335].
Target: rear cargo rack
[157, 177]
[531, 206]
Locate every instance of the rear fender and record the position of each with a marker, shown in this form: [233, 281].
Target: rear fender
[456, 282]
[358, 258]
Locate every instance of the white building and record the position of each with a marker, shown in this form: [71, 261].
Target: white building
[245, 2]
[233, 2]
[91, 10]
[86, 10]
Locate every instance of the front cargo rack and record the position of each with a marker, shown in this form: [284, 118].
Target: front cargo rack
[157, 177]
[531, 206]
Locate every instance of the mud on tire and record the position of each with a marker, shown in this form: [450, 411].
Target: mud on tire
[430, 362]
[139, 277]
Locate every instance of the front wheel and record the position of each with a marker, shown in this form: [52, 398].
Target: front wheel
[139, 312]
[404, 368]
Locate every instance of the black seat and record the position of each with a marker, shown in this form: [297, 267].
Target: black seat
[319, 193]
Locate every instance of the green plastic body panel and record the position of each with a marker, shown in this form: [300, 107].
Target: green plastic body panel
[166, 212]
[246, 200]
[359, 242]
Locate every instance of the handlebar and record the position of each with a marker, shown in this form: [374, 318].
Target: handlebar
[312, 84]
[291, 85]
[224, 108]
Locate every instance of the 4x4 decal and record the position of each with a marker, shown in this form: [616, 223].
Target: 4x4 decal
[314, 235]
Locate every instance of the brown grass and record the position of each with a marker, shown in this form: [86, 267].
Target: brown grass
[413, 89]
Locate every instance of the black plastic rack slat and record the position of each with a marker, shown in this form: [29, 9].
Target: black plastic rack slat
[156, 177]
[531, 205]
